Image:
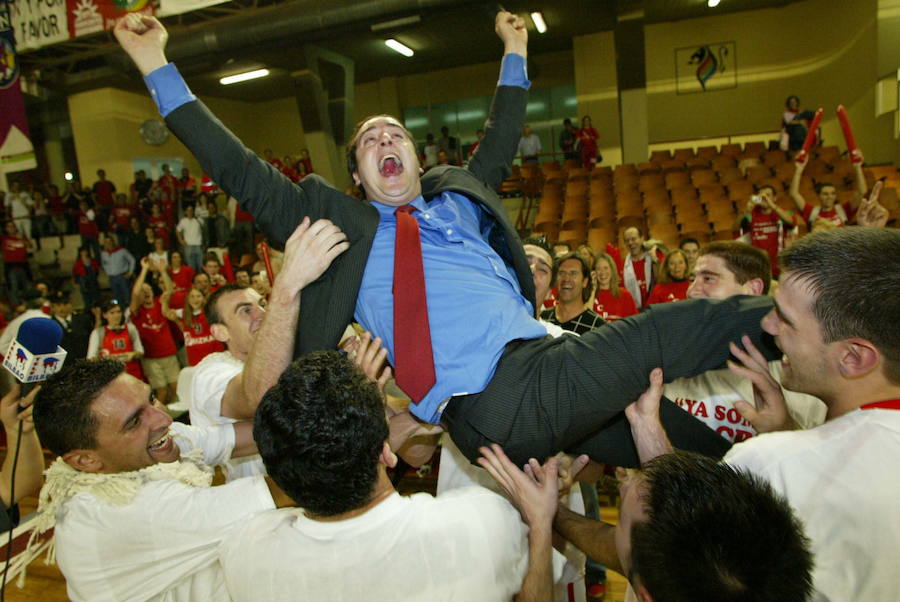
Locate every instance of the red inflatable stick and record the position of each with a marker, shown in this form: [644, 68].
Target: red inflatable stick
[810, 136]
[264, 247]
[855, 155]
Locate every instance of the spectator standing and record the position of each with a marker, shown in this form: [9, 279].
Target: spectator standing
[88, 228]
[429, 152]
[216, 232]
[159, 362]
[76, 326]
[673, 279]
[104, 197]
[41, 223]
[137, 242]
[85, 271]
[167, 187]
[449, 145]
[119, 266]
[198, 338]
[612, 302]
[639, 270]
[242, 228]
[159, 224]
[117, 339]
[567, 139]
[182, 279]
[212, 267]
[140, 188]
[828, 209]
[478, 136]
[691, 248]
[305, 160]
[20, 206]
[587, 143]
[765, 223]
[58, 211]
[190, 236]
[529, 145]
[72, 202]
[201, 209]
[187, 184]
[120, 218]
[160, 254]
[15, 262]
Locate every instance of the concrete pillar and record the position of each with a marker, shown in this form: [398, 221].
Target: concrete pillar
[632, 79]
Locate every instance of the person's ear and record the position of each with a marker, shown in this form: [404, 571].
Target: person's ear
[355, 176]
[85, 460]
[387, 456]
[857, 357]
[220, 332]
[755, 286]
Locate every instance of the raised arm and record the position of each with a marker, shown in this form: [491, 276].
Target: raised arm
[492, 160]
[308, 253]
[138, 283]
[30, 469]
[276, 203]
[861, 187]
[794, 190]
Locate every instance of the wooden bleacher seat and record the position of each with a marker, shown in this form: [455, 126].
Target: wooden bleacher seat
[659, 156]
[703, 177]
[707, 152]
[827, 154]
[755, 149]
[683, 154]
[730, 150]
[598, 238]
[729, 175]
[688, 193]
[646, 168]
[651, 181]
[666, 233]
[677, 179]
[573, 237]
[758, 173]
[712, 193]
[550, 166]
[774, 157]
[673, 165]
[740, 190]
[571, 164]
[722, 163]
[697, 163]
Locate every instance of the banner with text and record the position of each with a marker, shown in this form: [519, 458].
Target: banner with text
[38, 22]
[91, 16]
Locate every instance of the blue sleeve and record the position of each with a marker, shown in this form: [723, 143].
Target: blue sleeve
[513, 71]
[168, 89]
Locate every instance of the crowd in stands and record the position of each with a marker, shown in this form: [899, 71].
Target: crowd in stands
[623, 325]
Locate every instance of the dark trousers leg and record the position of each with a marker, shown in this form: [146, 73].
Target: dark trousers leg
[569, 393]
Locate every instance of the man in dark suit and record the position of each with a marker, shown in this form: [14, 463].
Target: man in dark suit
[480, 364]
[76, 326]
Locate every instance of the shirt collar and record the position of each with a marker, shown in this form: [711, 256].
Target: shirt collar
[388, 210]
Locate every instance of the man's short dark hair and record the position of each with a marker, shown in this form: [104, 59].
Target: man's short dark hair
[854, 273]
[211, 309]
[746, 262]
[63, 417]
[539, 241]
[770, 187]
[715, 533]
[211, 256]
[822, 185]
[352, 167]
[685, 241]
[320, 431]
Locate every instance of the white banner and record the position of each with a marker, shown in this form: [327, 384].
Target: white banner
[38, 22]
[176, 7]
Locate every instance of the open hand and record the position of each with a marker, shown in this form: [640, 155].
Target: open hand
[534, 494]
[871, 212]
[371, 358]
[770, 413]
[309, 252]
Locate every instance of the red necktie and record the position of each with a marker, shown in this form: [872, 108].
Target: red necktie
[413, 359]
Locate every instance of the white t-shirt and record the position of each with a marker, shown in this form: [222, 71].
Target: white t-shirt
[468, 545]
[191, 231]
[710, 398]
[163, 545]
[208, 384]
[843, 481]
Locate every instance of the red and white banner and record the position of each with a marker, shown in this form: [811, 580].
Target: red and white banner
[38, 22]
[176, 7]
[91, 16]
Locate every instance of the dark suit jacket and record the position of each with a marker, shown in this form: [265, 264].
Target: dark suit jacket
[278, 205]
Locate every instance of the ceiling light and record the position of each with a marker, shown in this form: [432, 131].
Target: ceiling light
[242, 77]
[712, 3]
[538, 19]
[398, 47]
[68, 176]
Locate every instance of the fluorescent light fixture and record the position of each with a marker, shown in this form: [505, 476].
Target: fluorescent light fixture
[712, 3]
[242, 77]
[538, 19]
[398, 47]
[69, 176]
[401, 22]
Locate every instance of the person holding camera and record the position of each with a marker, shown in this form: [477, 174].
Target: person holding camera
[765, 224]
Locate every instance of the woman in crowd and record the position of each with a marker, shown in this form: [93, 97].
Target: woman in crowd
[201, 211]
[612, 301]
[117, 339]
[160, 254]
[182, 278]
[673, 279]
[587, 142]
[15, 261]
[793, 124]
[198, 339]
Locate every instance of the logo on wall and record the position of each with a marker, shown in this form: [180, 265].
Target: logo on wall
[705, 68]
[8, 66]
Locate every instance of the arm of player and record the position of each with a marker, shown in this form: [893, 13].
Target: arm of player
[593, 537]
[308, 253]
[30, 469]
[650, 437]
[138, 283]
[794, 189]
[771, 412]
[860, 180]
[871, 212]
[492, 161]
[536, 497]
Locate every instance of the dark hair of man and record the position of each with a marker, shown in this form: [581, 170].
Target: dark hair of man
[563, 244]
[320, 431]
[539, 241]
[352, 167]
[211, 257]
[770, 187]
[63, 417]
[854, 273]
[687, 241]
[211, 309]
[744, 261]
[585, 271]
[820, 186]
[742, 540]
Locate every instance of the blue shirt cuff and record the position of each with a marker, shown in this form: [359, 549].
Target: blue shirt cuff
[514, 71]
[168, 89]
